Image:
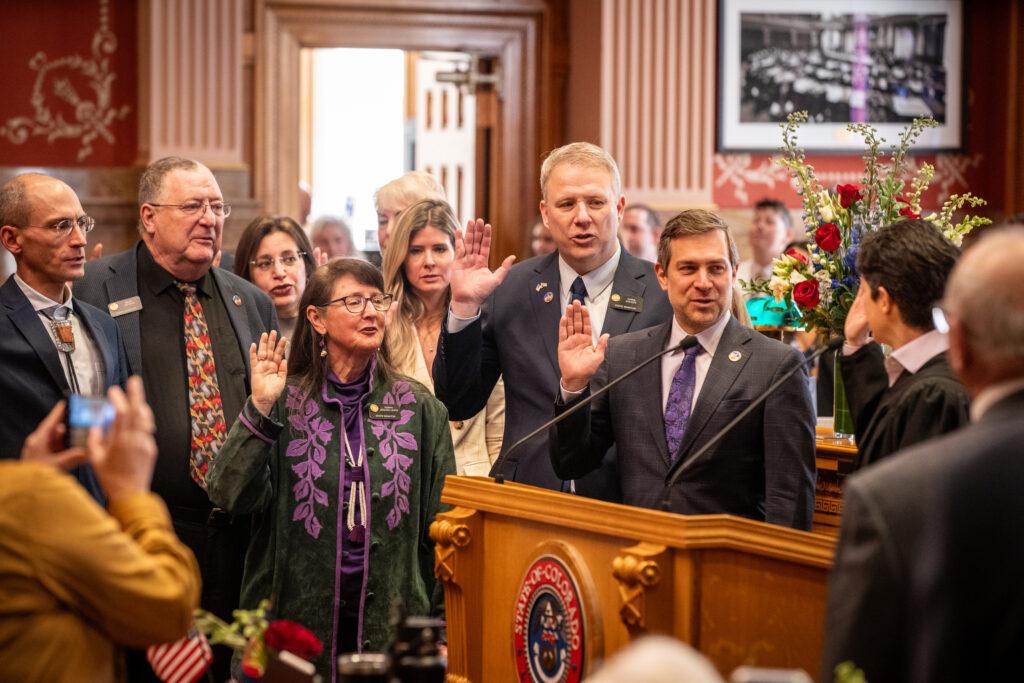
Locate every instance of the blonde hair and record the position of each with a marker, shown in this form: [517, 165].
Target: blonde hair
[406, 189]
[401, 333]
[580, 154]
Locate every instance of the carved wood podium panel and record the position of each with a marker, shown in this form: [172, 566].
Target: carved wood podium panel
[541, 585]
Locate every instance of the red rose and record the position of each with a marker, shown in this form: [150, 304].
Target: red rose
[795, 253]
[282, 634]
[827, 236]
[806, 294]
[848, 194]
[909, 212]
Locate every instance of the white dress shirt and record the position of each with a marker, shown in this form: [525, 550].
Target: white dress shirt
[911, 356]
[88, 360]
[708, 339]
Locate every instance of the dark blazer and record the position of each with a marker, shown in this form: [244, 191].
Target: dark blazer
[894, 541]
[917, 407]
[32, 379]
[115, 278]
[763, 469]
[517, 337]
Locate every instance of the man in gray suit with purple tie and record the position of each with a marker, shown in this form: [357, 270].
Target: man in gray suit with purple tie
[762, 469]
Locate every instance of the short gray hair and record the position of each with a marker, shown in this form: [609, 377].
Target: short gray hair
[983, 295]
[580, 154]
[152, 180]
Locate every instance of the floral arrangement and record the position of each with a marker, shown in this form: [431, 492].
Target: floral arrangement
[824, 285]
[257, 636]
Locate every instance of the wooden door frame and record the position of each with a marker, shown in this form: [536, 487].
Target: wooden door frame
[516, 31]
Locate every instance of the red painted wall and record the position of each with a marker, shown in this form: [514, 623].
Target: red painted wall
[70, 83]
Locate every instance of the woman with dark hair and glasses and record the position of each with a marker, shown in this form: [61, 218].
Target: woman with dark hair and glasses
[275, 255]
[341, 462]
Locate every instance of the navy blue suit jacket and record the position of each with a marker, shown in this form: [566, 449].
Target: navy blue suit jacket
[32, 379]
[517, 337]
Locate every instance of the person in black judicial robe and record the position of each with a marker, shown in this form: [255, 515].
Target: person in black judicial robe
[138, 288]
[912, 395]
[927, 582]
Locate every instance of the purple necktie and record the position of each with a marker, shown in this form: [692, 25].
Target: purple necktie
[680, 399]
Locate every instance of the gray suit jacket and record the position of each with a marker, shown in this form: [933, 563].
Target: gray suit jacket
[115, 278]
[763, 469]
[897, 530]
[517, 337]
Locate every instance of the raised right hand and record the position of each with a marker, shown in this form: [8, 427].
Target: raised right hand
[856, 327]
[578, 356]
[472, 280]
[269, 370]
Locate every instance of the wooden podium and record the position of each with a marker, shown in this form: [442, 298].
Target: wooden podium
[541, 579]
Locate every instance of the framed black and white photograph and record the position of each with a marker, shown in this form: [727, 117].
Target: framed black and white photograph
[883, 62]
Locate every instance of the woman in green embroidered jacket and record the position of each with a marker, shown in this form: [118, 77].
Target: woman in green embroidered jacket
[341, 462]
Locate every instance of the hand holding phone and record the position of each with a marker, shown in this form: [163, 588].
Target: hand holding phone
[84, 413]
[124, 457]
[46, 444]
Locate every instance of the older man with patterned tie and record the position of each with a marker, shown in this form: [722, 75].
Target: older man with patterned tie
[187, 327]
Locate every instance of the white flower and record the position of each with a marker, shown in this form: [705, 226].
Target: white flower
[779, 287]
[796, 277]
[825, 206]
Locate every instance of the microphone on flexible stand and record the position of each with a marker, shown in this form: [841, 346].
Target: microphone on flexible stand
[504, 460]
[681, 466]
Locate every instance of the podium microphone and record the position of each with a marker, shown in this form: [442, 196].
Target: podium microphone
[681, 466]
[504, 460]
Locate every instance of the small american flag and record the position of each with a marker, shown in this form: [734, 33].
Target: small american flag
[183, 661]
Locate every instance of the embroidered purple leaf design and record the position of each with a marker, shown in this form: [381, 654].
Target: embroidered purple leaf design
[391, 440]
[312, 431]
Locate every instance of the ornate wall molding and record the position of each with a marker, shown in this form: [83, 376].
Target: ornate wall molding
[54, 90]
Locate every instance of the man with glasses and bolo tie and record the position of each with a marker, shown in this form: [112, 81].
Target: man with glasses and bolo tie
[51, 344]
[187, 327]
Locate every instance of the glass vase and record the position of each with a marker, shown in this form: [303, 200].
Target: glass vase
[842, 420]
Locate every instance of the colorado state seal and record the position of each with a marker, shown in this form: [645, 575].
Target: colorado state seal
[548, 635]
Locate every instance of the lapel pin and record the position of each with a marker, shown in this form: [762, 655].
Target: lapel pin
[616, 297]
[541, 285]
[237, 299]
[735, 356]
[549, 297]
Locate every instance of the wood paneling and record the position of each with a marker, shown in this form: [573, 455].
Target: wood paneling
[510, 31]
[657, 98]
[190, 68]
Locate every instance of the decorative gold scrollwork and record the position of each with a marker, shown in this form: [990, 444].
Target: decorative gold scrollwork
[448, 538]
[63, 110]
[455, 678]
[636, 571]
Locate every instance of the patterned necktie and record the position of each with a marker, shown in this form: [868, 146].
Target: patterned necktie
[680, 400]
[204, 403]
[578, 291]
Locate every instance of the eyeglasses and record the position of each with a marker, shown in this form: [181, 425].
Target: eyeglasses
[63, 227]
[267, 263]
[356, 303]
[219, 209]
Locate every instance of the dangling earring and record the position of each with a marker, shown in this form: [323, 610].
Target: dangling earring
[323, 349]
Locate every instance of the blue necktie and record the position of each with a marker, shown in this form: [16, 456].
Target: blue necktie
[578, 291]
[680, 400]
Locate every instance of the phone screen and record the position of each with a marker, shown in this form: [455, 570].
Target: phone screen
[84, 413]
